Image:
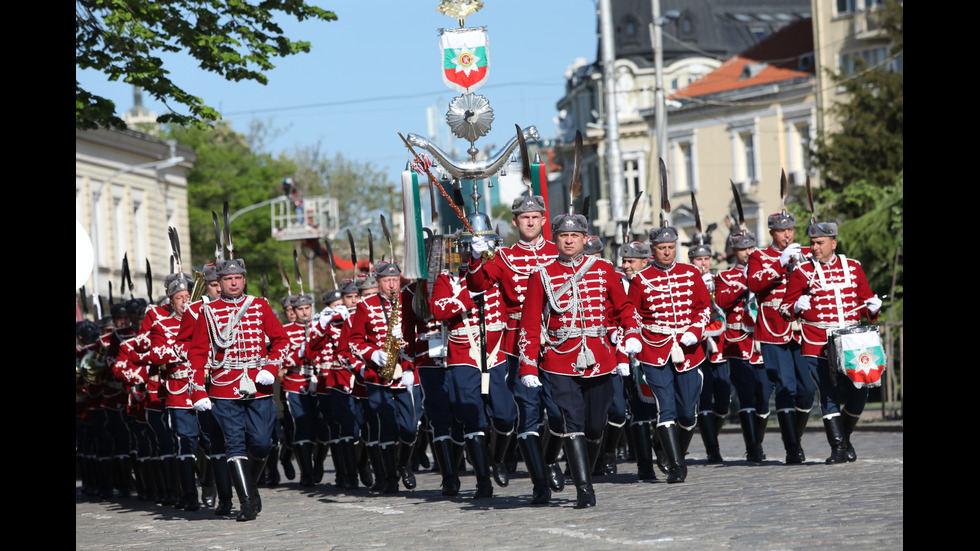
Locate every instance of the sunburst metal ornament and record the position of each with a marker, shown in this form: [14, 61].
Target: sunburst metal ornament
[469, 117]
[459, 9]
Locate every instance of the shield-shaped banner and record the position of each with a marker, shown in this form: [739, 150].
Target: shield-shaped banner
[465, 61]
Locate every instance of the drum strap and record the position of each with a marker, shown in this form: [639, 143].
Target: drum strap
[818, 269]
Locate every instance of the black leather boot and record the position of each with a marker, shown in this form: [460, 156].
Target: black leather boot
[377, 467]
[188, 498]
[643, 451]
[406, 451]
[242, 478]
[576, 451]
[670, 439]
[498, 449]
[257, 465]
[761, 424]
[802, 417]
[304, 456]
[848, 422]
[168, 471]
[787, 428]
[476, 447]
[610, 447]
[747, 421]
[362, 459]
[272, 478]
[222, 482]
[447, 466]
[835, 437]
[319, 456]
[286, 460]
[707, 422]
[531, 450]
[389, 463]
[552, 447]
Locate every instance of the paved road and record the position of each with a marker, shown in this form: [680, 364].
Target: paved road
[735, 506]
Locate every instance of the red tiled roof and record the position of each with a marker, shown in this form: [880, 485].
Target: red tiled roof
[729, 77]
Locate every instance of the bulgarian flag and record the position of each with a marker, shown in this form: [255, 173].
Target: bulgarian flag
[862, 358]
[539, 186]
[465, 61]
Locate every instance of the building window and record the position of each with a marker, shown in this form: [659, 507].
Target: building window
[631, 173]
[747, 145]
[846, 6]
[745, 157]
[684, 173]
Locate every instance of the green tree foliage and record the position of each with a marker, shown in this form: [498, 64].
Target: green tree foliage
[862, 160]
[124, 39]
[228, 169]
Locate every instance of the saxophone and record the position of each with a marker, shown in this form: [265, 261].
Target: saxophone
[392, 347]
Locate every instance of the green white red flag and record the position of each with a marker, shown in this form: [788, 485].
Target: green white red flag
[465, 61]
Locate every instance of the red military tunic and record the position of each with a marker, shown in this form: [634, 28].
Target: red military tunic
[670, 303]
[837, 300]
[241, 349]
[167, 364]
[114, 394]
[131, 367]
[731, 293]
[369, 328]
[451, 301]
[510, 269]
[423, 337]
[552, 294]
[767, 279]
[300, 359]
[332, 372]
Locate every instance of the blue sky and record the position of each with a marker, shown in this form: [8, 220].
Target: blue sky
[375, 70]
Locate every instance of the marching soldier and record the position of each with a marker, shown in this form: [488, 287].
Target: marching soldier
[388, 375]
[831, 292]
[299, 383]
[510, 269]
[673, 305]
[230, 342]
[748, 373]
[569, 295]
[769, 270]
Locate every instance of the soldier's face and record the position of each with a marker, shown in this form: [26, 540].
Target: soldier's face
[665, 252]
[742, 255]
[290, 314]
[529, 225]
[303, 313]
[632, 266]
[213, 289]
[179, 301]
[571, 243]
[232, 285]
[782, 238]
[702, 263]
[350, 300]
[823, 248]
[388, 286]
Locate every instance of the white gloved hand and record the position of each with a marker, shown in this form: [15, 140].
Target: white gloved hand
[614, 337]
[632, 346]
[204, 404]
[265, 378]
[789, 253]
[326, 315]
[302, 349]
[623, 369]
[478, 246]
[530, 381]
[363, 368]
[709, 281]
[688, 339]
[379, 357]
[397, 331]
[343, 312]
[802, 304]
[873, 304]
[408, 378]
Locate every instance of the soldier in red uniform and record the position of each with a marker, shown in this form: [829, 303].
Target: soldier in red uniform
[716, 384]
[748, 373]
[509, 270]
[831, 292]
[457, 306]
[769, 270]
[230, 342]
[299, 382]
[394, 402]
[674, 306]
[570, 296]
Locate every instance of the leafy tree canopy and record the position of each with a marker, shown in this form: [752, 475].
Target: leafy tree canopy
[124, 39]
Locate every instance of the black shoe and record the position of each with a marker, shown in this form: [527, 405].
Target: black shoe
[286, 460]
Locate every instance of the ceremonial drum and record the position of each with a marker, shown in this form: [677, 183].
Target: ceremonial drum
[857, 352]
